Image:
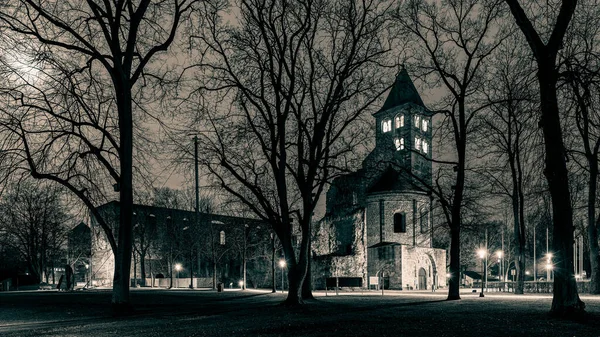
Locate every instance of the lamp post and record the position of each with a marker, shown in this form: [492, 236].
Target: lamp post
[482, 254]
[282, 265]
[177, 268]
[501, 269]
[548, 266]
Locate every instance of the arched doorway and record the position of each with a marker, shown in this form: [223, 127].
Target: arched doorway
[422, 279]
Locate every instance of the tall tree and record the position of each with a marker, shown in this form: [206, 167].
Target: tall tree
[566, 298]
[298, 74]
[508, 132]
[94, 45]
[451, 42]
[581, 75]
[35, 219]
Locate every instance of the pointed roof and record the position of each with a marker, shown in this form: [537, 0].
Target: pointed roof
[402, 92]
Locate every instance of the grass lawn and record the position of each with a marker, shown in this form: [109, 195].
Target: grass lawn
[258, 313]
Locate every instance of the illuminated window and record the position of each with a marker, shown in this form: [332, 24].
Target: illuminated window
[399, 121]
[417, 121]
[387, 125]
[425, 147]
[425, 125]
[417, 143]
[399, 142]
[222, 238]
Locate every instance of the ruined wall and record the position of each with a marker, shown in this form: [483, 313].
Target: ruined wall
[339, 249]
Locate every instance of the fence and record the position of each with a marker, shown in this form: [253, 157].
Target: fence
[529, 287]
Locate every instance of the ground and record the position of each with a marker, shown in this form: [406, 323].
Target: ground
[258, 313]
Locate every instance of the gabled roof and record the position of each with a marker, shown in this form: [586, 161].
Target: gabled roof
[402, 92]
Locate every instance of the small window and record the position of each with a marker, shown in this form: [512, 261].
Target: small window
[354, 198]
[417, 143]
[399, 142]
[399, 121]
[417, 121]
[399, 222]
[425, 146]
[222, 238]
[425, 125]
[387, 125]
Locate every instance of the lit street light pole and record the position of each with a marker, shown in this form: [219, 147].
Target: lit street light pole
[482, 254]
[177, 268]
[282, 265]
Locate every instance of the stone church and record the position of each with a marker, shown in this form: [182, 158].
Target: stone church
[378, 222]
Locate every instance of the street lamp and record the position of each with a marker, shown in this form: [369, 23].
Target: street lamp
[549, 265]
[501, 269]
[482, 254]
[178, 268]
[282, 265]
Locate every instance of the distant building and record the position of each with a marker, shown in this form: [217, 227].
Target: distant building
[79, 252]
[167, 237]
[378, 219]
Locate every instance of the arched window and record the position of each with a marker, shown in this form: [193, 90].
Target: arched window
[222, 237]
[425, 146]
[425, 125]
[399, 222]
[399, 142]
[417, 121]
[386, 126]
[417, 143]
[399, 121]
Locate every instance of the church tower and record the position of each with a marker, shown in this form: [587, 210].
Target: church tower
[378, 219]
[403, 136]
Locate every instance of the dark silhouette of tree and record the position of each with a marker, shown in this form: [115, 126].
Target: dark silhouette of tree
[566, 298]
[582, 78]
[298, 75]
[75, 118]
[451, 43]
[36, 222]
[508, 132]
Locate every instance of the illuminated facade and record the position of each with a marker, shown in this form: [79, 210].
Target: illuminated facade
[378, 219]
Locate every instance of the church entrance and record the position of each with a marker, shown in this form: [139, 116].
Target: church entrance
[422, 279]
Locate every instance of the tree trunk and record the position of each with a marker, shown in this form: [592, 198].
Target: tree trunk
[520, 243]
[566, 298]
[307, 283]
[273, 263]
[454, 280]
[120, 295]
[592, 229]
[143, 268]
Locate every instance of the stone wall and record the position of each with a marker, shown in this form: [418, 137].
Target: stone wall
[398, 202]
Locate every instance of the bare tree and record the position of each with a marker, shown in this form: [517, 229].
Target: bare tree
[508, 131]
[451, 42]
[37, 223]
[298, 74]
[95, 45]
[566, 299]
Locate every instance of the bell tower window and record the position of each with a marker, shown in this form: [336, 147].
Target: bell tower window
[417, 143]
[399, 142]
[425, 125]
[418, 121]
[425, 147]
[399, 121]
[386, 126]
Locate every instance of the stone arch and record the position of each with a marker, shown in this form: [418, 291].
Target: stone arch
[434, 276]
